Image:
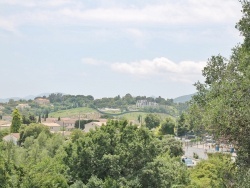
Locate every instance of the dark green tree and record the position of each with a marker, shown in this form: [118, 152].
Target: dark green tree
[33, 130]
[167, 127]
[118, 153]
[39, 118]
[182, 127]
[16, 121]
[152, 121]
[224, 98]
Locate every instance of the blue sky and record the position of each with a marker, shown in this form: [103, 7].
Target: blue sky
[107, 48]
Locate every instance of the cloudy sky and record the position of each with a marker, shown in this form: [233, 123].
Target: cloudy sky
[107, 48]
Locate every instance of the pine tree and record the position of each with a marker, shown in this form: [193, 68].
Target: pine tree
[16, 121]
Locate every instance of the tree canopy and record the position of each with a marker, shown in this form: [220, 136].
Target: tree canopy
[16, 121]
[224, 99]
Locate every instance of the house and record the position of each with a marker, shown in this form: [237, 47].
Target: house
[93, 125]
[49, 120]
[54, 127]
[145, 103]
[67, 122]
[12, 137]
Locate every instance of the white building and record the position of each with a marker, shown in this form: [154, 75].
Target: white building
[145, 103]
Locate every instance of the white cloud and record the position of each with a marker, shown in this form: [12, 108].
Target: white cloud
[167, 12]
[35, 3]
[192, 11]
[185, 71]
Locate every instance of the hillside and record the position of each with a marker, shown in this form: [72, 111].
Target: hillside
[184, 98]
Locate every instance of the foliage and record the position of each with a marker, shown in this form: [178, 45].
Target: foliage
[217, 171]
[3, 133]
[16, 121]
[167, 127]
[224, 98]
[33, 130]
[37, 164]
[106, 116]
[243, 178]
[182, 127]
[152, 121]
[195, 155]
[164, 171]
[76, 134]
[31, 119]
[118, 151]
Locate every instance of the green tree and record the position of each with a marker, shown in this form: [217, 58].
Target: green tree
[217, 171]
[182, 127]
[152, 121]
[164, 171]
[224, 98]
[167, 127]
[33, 130]
[116, 154]
[39, 119]
[16, 121]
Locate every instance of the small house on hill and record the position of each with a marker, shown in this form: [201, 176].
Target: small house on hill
[12, 137]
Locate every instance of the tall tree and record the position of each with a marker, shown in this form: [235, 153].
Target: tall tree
[16, 121]
[167, 127]
[224, 98]
[182, 126]
[152, 121]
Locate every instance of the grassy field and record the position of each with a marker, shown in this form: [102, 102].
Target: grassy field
[134, 115]
[74, 113]
[71, 113]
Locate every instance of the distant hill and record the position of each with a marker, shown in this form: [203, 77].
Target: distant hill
[25, 98]
[184, 98]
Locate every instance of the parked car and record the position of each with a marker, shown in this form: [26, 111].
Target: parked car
[188, 162]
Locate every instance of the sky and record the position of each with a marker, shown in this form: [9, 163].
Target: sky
[106, 48]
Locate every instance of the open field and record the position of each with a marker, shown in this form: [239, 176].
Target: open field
[74, 113]
[71, 113]
[134, 115]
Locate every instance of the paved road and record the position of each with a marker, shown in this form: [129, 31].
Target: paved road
[201, 150]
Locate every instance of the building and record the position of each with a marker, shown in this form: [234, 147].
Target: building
[93, 125]
[67, 122]
[53, 127]
[12, 137]
[145, 103]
